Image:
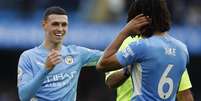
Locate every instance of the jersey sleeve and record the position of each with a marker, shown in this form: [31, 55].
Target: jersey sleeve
[185, 82]
[187, 54]
[24, 70]
[126, 42]
[134, 52]
[27, 83]
[89, 57]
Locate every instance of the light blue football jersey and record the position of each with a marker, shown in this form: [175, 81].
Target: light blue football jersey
[60, 84]
[158, 63]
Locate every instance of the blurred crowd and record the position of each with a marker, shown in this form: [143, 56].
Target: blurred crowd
[183, 11]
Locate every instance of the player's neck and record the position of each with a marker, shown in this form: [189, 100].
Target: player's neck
[50, 46]
[159, 33]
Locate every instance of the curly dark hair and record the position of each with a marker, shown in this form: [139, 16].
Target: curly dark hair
[157, 10]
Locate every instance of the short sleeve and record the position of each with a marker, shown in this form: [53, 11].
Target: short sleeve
[24, 70]
[89, 57]
[185, 82]
[134, 52]
[187, 54]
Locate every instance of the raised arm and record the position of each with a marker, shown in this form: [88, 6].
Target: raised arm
[109, 61]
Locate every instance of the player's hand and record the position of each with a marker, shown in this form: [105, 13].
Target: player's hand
[54, 57]
[135, 25]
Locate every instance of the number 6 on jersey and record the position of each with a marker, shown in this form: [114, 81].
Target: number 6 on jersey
[165, 80]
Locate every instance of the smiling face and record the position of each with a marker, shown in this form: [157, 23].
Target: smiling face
[55, 27]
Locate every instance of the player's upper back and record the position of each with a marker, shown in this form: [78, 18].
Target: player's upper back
[165, 47]
[161, 62]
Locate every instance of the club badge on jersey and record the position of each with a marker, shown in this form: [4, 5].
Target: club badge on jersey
[69, 59]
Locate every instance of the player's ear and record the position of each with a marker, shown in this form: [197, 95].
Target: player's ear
[44, 24]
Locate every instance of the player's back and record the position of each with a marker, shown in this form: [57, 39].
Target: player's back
[159, 68]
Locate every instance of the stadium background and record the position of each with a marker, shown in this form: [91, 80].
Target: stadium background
[93, 24]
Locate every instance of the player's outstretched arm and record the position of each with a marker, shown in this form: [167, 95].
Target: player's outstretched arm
[185, 95]
[116, 78]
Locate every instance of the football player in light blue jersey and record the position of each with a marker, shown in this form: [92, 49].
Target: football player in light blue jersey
[157, 61]
[50, 71]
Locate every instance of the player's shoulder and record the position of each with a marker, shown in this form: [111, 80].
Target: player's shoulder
[143, 43]
[29, 52]
[140, 46]
[73, 47]
[76, 48]
[180, 44]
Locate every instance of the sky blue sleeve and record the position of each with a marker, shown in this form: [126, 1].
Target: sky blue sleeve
[187, 54]
[134, 52]
[27, 83]
[90, 57]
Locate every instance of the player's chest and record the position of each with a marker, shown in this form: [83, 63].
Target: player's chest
[69, 62]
